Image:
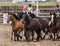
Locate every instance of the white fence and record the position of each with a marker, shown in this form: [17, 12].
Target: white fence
[3, 18]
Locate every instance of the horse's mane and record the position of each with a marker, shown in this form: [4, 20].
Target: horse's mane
[16, 16]
[27, 18]
[20, 14]
[32, 15]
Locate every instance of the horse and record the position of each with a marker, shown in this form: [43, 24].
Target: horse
[55, 25]
[31, 24]
[45, 23]
[17, 26]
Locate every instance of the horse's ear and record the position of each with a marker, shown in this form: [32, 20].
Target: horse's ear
[22, 13]
[29, 12]
[25, 12]
[54, 13]
[10, 12]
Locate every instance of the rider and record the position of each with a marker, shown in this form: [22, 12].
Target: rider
[57, 9]
[25, 7]
[31, 11]
[30, 8]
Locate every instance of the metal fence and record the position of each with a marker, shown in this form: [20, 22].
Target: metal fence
[5, 0]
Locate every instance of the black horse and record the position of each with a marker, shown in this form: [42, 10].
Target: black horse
[31, 24]
[45, 24]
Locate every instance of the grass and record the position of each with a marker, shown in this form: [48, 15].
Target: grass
[34, 4]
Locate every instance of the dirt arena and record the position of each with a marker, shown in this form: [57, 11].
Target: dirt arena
[5, 34]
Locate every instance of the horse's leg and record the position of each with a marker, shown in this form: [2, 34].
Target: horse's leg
[32, 35]
[54, 36]
[50, 34]
[18, 36]
[57, 35]
[25, 32]
[46, 33]
[27, 36]
[50, 37]
[38, 35]
[19, 33]
[15, 34]
[12, 35]
[44, 30]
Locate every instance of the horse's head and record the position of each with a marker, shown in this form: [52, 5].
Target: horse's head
[53, 16]
[9, 16]
[32, 15]
[53, 13]
[26, 18]
[13, 16]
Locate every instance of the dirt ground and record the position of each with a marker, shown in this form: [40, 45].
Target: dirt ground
[5, 34]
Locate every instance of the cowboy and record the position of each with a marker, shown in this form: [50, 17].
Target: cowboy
[57, 9]
[30, 8]
[25, 7]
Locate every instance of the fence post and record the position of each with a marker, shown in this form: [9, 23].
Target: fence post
[37, 7]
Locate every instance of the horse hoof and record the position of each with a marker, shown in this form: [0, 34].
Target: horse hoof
[11, 39]
[14, 40]
[54, 40]
[28, 40]
[20, 37]
[18, 40]
[37, 40]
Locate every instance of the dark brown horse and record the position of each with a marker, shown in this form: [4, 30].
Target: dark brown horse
[45, 23]
[31, 24]
[55, 24]
[43, 20]
[17, 25]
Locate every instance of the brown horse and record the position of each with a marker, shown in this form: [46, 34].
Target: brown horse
[17, 26]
